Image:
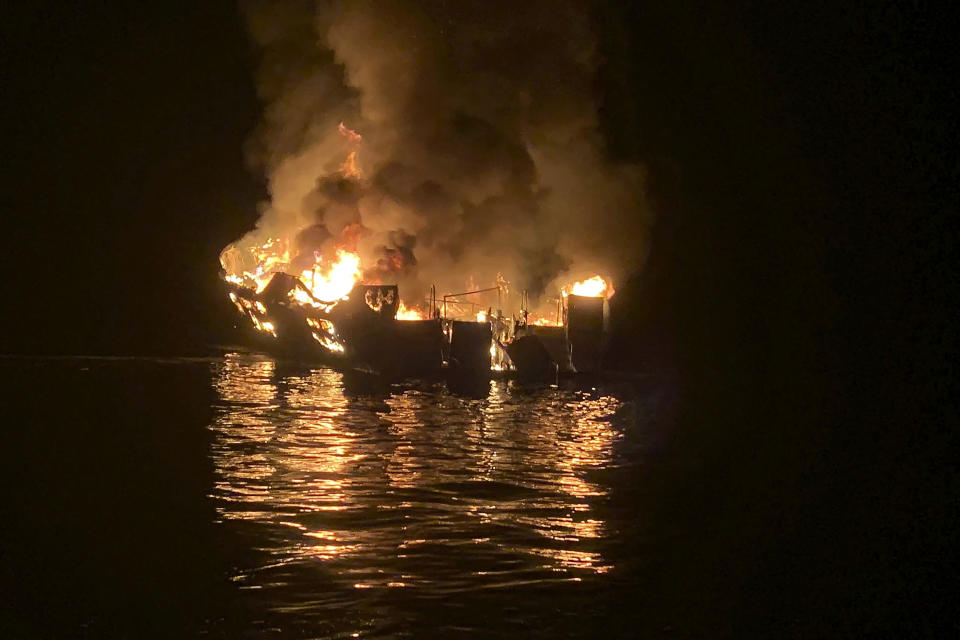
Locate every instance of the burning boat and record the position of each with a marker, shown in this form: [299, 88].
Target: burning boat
[324, 286]
[369, 329]
[359, 330]
[573, 343]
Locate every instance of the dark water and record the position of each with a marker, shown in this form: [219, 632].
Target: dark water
[239, 497]
[242, 497]
[380, 513]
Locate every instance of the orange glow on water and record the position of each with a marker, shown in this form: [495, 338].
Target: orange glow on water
[296, 462]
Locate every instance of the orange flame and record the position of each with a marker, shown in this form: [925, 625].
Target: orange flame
[595, 287]
[541, 321]
[409, 313]
[348, 133]
[335, 281]
[349, 166]
[325, 281]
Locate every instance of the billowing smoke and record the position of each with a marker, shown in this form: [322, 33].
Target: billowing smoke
[480, 152]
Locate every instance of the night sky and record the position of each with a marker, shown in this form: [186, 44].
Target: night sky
[124, 176]
[776, 139]
[802, 164]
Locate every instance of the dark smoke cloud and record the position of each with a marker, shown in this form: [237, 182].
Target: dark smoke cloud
[481, 152]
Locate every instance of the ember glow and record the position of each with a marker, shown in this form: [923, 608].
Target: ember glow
[541, 321]
[263, 325]
[325, 333]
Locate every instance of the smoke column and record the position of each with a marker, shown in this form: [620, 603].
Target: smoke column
[480, 151]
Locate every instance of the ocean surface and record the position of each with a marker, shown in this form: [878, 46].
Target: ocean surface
[241, 497]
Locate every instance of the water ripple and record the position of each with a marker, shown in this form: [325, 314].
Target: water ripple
[350, 496]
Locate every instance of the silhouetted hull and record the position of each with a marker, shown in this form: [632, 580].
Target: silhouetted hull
[360, 333]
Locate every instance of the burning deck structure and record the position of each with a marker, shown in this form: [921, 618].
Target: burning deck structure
[370, 329]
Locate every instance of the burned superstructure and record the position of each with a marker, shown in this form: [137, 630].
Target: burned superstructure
[370, 330]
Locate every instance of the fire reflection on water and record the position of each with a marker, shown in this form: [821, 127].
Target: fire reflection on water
[418, 488]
